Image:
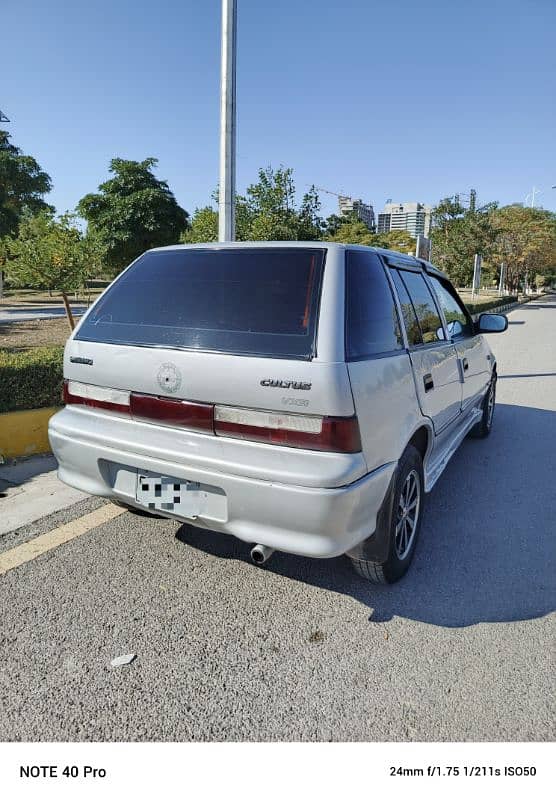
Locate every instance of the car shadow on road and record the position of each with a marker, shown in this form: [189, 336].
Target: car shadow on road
[488, 546]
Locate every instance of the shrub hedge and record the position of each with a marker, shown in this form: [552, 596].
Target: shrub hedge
[31, 379]
[478, 308]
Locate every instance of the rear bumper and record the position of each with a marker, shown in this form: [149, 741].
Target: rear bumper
[308, 521]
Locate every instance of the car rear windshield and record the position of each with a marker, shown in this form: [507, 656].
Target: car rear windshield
[252, 301]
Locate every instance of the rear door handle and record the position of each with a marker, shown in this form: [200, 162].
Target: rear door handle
[465, 364]
[428, 381]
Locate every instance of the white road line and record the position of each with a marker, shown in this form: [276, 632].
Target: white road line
[48, 541]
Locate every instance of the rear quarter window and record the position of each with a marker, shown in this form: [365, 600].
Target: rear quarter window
[372, 324]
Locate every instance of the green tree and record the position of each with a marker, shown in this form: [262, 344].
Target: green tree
[356, 232]
[132, 212]
[352, 232]
[457, 234]
[23, 185]
[50, 254]
[271, 206]
[267, 212]
[525, 242]
[399, 240]
[336, 221]
[203, 227]
[310, 223]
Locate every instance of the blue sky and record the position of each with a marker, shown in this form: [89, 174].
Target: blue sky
[406, 100]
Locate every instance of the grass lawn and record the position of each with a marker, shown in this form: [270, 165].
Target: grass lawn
[18, 337]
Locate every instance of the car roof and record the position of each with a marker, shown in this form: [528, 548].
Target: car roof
[392, 257]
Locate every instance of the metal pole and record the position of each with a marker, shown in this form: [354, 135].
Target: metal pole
[502, 278]
[226, 197]
[476, 288]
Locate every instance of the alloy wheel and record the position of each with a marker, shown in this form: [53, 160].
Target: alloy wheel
[490, 403]
[408, 514]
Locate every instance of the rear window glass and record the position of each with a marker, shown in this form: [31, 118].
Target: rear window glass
[253, 301]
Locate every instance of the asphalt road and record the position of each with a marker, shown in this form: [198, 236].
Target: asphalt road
[461, 649]
[24, 313]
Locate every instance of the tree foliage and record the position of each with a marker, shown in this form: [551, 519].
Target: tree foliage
[203, 227]
[400, 240]
[525, 242]
[336, 221]
[23, 185]
[132, 212]
[356, 232]
[458, 233]
[51, 254]
[352, 232]
[267, 212]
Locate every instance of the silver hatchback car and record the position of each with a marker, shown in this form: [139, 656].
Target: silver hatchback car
[302, 397]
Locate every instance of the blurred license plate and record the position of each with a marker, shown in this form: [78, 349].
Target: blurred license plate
[162, 493]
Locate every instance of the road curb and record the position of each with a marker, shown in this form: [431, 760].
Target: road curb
[25, 433]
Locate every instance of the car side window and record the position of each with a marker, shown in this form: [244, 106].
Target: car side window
[372, 324]
[424, 305]
[458, 321]
[411, 323]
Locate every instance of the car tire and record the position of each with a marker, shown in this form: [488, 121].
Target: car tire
[483, 428]
[409, 496]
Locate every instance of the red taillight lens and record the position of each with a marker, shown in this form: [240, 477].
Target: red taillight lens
[86, 394]
[197, 416]
[331, 434]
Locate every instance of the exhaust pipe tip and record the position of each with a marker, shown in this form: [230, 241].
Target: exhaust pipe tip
[260, 554]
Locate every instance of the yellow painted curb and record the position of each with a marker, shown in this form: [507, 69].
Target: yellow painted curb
[23, 433]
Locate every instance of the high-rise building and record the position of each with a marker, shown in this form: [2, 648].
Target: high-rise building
[365, 212]
[415, 218]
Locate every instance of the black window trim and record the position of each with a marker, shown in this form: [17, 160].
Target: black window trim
[385, 353]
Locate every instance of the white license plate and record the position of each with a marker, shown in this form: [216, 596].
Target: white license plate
[162, 493]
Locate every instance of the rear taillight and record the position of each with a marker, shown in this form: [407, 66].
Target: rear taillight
[332, 434]
[86, 394]
[182, 413]
[329, 434]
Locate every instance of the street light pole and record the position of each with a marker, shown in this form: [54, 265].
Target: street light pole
[226, 195]
[532, 196]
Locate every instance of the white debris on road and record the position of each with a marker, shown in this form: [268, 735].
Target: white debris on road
[121, 660]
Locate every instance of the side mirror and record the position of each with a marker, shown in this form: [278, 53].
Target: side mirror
[455, 328]
[492, 323]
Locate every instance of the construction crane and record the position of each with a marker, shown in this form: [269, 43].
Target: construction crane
[472, 197]
[328, 191]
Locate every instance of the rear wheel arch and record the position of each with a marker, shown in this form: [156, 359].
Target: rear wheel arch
[378, 558]
[421, 440]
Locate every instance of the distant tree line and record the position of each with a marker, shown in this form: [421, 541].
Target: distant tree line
[134, 210]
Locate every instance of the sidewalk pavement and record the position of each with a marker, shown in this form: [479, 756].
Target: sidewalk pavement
[30, 490]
